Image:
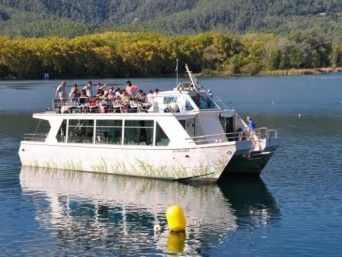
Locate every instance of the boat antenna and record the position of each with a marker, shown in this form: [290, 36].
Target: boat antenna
[193, 79]
[177, 75]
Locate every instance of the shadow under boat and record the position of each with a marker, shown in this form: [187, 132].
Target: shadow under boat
[122, 205]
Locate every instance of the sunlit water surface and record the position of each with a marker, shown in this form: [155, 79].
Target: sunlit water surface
[294, 209]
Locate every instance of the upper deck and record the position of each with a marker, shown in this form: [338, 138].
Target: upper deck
[185, 99]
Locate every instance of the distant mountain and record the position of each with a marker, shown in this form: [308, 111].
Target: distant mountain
[69, 17]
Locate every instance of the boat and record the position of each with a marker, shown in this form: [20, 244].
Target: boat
[184, 134]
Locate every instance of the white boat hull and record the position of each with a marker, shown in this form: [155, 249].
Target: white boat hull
[205, 163]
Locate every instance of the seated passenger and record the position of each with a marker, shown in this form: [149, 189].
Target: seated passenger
[141, 97]
[125, 101]
[83, 100]
[118, 92]
[93, 105]
[105, 103]
[197, 99]
[156, 92]
[110, 94]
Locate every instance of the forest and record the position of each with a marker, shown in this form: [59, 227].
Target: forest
[69, 18]
[132, 54]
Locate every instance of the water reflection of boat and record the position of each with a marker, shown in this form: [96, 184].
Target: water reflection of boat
[121, 211]
[251, 200]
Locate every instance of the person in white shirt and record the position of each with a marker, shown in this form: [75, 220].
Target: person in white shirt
[149, 97]
[89, 89]
[60, 91]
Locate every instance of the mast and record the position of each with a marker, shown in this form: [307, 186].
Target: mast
[177, 75]
[193, 79]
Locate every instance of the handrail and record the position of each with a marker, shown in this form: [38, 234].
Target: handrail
[74, 105]
[265, 132]
[260, 133]
[219, 138]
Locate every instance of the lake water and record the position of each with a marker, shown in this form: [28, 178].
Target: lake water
[294, 209]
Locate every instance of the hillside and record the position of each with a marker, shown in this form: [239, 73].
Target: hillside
[68, 17]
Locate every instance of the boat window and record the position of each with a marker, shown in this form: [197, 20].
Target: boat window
[61, 134]
[189, 126]
[183, 123]
[81, 131]
[108, 132]
[170, 99]
[188, 106]
[203, 102]
[161, 137]
[138, 132]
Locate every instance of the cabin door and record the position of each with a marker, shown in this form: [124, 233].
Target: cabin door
[229, 125]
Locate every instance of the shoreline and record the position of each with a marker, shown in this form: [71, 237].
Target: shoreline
[287, 72]
[307, 71]
[213, 73]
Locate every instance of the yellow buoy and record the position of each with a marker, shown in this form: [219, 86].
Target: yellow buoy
[175, 218]
[176, 242]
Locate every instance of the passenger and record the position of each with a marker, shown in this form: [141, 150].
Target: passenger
[100, 93]
[118, 92]
[89, 88]
[131, 89]
[111, 95]
[105, 102]
[197, 99]
[60, 91]
[99, 88]
[201, 102]
[83, 101]
[141, 97]
[156, 92]
[93, 105]
[74, 93]
[125, 101]
[251, 124]
[149, 97]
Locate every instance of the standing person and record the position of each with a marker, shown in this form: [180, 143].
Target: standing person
[149, 97]
[60, 91]
[89, 89]
[131, 89]
[251, 123]
[100, 87]
[74, 93]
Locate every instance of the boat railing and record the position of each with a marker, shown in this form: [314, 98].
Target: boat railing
[220, 138]
[37, 137]
[265, 133]
[219, 102]
[96, 105]
[260, 133]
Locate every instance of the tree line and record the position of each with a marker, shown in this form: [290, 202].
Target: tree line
[131, 54]
[70, 18]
